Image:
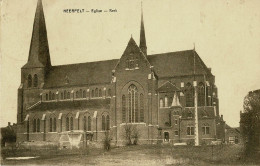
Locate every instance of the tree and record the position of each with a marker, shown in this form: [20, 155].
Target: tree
[131, 134]
[250, 122]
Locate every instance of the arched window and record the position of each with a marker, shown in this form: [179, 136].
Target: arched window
[141, 107]
[35, 80]
[84, 94]
[80, 93]
[123, 109]
[61, 96]
[100, 93]
[205, 129]
[166, 101]
[201, 95]
[34, 125]
[67, 124]
[54, 124]
[77, 94]
[189, 96]
[50, 125]
[109, 92]
[68, 95]
[85, 123]
[103, 123]
[92, 93]
[47, 96]
[170, 101]
[96, 92]
[89, 123]
[161, 103]
[132, 93]
[108, 122]
[71, 123]
[38, 125]
[65, 94]
[53, 96]
[29, 79]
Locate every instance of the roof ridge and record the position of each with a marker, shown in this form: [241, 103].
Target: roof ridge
[71, 64]
[169, 52]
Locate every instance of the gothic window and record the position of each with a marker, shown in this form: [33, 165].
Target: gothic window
[190, 130]
[166, 101]
[84, 94]
[35, 80]
[85, 123]
[80, 93]
[53, 96]
[38, 125]
[201, 94]
[54, 124]
[133, 103]
[109, 92]
[103, 123]
[67, 124]
[89, 123]
[29, 79]
[93, 93]
[50, 125]
[96, 92]
[141, 107]
[77, 94]
[100, 93]
[50, 96]
[123, 109]
[71, 123]
[61, 95]
[108, 122]
[161, 103]
[170, 101]
[189, 96]
[34, 125]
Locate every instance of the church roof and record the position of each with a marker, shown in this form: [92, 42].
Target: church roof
[80, 74]
[75, 104]
[179, 63]
[165, 65]
[168, 87]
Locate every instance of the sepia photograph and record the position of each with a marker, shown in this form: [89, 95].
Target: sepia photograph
[141, 82]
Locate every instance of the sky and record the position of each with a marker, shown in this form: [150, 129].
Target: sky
[225, 33]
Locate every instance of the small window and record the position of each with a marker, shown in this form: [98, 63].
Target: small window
[53, 96]
[103, 122]
[67, 124]
[65, 94]
[205, 130]
[50, 125]
[176, 122]
[108, 122]
[34, 125]
[29, 79]
[84, 94]
[47, 96]
[85, 123]
[68, 95]
[80, 93]
[92, 93]
[77, 94]
[38, 125]
[176, 133]
[161, 103]
[100, 93]
[54, 125]
[35, 80]
[71, 123]
[190, 130]
[96, 92]
[61, 95]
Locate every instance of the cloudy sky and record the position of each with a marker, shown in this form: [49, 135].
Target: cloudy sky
[226, 34]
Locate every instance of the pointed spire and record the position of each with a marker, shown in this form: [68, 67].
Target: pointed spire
[142, 45]
[39, 55]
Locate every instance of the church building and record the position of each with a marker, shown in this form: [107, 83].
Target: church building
[166, 98]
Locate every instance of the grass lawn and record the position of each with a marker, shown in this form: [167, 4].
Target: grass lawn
[135, 155]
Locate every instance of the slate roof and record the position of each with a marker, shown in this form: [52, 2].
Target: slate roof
[179, 63]
[165, 65]
[80, 74]
[69, 104]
